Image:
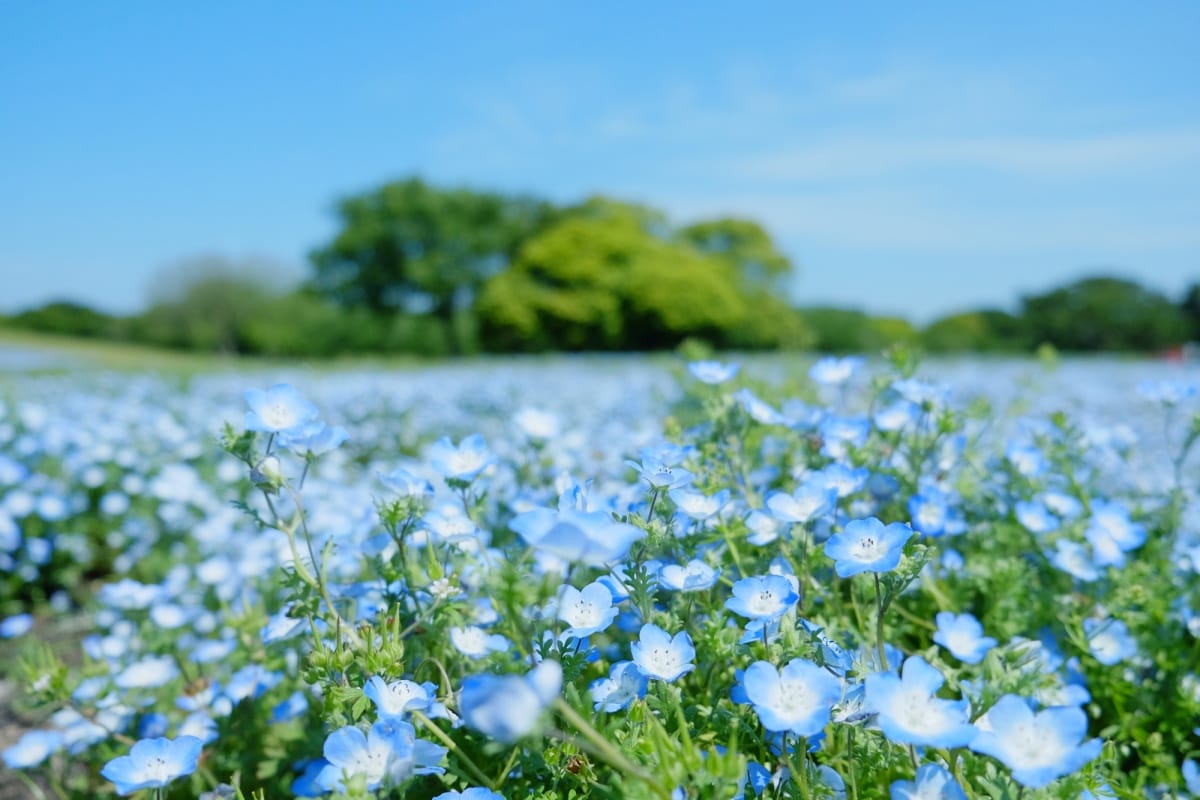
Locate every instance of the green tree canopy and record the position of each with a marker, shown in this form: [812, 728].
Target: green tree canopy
[1191, 311]
[1104, 313]
[205, 303]
[614, 276]
[414, 247]
[66, 318]
[984, 330]
[745, 244]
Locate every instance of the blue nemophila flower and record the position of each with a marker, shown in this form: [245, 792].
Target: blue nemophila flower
[462, 461]
[867, 545]
[474, 642]
[764, 528]
[962, 635]
[842, 478]
[832, 655]
[712, 372]
[290, 707]
[624, 684]
[932, 782]
[202, 726]
[1027, 459]
[278, 409]
[661, 656]
[153, 763]
[807, 502]
[1035, 517]
[507, 707]
[761, 630]
[762, 597]
[406, 484]
[314, 438]
[1074, 559]
[697, 505]
[388, 753]
[835, 371]
[153, 725]
[933, 513]
[31, 749]
[839, 434]
[1112, 534]
[147, 673]
[662, 469]
[1191, 776]
[474, 793]
[758, 410]
[587, 611]
[1109, 640]
[830, 783]
[591, 537]
[537, 424]
[909, 710]
[280, 626]
[1037, 747]
[16, 625]
[397, 698]
[693, 576]
[1061, 504]
[797, 698]
[897, 415]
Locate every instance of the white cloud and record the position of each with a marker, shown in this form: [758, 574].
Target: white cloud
[883, 156]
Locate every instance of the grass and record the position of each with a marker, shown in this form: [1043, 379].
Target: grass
[70, 354]
[66, 353]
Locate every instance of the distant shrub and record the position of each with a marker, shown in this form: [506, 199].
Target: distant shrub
[64, 318]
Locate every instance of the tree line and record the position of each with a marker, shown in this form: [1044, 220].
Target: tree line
[416, 268]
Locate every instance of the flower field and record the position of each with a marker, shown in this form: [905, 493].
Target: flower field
[604, 578]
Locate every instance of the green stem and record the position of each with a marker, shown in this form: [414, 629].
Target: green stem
[605, 749]
[883, 665]
[653, 501]
[452, 745]
[34, 790]
[508, 765]
[850, 765]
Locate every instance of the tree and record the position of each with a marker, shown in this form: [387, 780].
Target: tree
[611, 276]
[205, 303]
[66, 318]
[408, 246]
[977, 331]
[1191, 311]
[1104, 313]
[745, 244]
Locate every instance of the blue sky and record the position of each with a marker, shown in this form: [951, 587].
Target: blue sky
[911, 158]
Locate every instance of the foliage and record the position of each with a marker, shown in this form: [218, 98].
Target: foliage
[1103, 313]
[982, 331]
[843, 330]
[64, 318]
[1190, 306]
[204, 304]
[813, 589]
[413, 247]
[612, 277]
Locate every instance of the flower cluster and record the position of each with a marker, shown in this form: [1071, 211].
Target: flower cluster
[535, 584]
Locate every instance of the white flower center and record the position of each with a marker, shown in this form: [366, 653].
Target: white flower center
[158, 770]
[278, 415]
[763, 602]
[868, 548]
[664, 661]
[582, 614]
[793, 699]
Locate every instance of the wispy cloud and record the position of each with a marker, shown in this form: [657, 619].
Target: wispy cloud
[882, 156]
